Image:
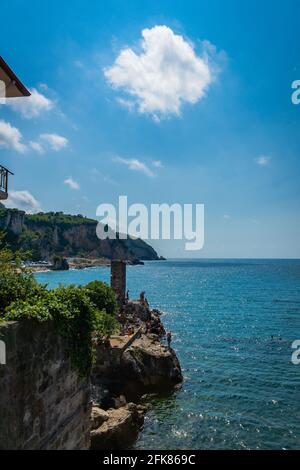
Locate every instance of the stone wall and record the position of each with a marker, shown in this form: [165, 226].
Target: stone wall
[43, 403]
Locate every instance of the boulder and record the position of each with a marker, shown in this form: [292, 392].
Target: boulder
[98, 417]
[120, 430]
[148, 364]
[60, 264]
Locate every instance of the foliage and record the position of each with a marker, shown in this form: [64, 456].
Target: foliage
[75, 317]
[17, 286]
[58, 218]
[78, 313]
[15, 282]
[102, 296]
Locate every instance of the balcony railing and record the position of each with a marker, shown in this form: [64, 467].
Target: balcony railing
[4, 172]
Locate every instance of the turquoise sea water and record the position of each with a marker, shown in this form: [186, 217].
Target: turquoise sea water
[240, 390]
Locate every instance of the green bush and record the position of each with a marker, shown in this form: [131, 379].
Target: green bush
[15, 282]
[13, 286]
[102, 296]
[75, 317]
[78, 313]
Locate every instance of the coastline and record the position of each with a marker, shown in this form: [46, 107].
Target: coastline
[77, 263]
[215, 342]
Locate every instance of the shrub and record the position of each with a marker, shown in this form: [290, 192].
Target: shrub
[102, 296]
[75, 317]
[15, 282]
[77, 312]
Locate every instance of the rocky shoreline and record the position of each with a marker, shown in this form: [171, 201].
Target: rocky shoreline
[75, 263]
[125, 373]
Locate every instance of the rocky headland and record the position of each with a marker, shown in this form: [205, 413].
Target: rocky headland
[126, 371]
[46, 235]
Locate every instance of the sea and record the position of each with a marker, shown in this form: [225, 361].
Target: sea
[233, 323]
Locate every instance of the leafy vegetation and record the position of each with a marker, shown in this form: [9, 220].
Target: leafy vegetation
[75, 317]
[78, 313]
[59, 218]
[102, 296]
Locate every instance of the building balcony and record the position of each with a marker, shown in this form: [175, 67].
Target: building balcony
[4, 172]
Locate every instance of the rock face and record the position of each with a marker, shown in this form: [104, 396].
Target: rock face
[49, 234]
[148, 365]
[119, 429]
[145, 366]
[12, 220]
[139, 314]
[140, 365]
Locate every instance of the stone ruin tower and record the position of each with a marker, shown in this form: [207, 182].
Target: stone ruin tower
[118, 280]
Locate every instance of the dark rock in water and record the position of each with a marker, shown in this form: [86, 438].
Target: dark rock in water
[60, 264]
[120, 428]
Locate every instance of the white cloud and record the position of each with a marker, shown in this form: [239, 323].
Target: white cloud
[23, 200]
[157, 164]
[226, 216]
[31, 106]
[97, 175]
[55, 141]
[37, 147]
[72, 183]
[129, 105]
[135, 165]
[263, 160]
[11, 137]
[166, 74]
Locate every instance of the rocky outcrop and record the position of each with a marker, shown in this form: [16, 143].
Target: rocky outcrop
[148, 365]
[139, 314]
[49, 234]
[60, 264]
[145, 366]
[119, 427]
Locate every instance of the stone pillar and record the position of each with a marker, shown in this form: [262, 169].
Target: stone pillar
[118, 279]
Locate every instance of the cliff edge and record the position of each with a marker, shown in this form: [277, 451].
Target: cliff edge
[55, 233]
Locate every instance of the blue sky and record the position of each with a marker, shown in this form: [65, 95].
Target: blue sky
[221, 131]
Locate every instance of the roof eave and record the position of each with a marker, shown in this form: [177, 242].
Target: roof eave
[22, 89]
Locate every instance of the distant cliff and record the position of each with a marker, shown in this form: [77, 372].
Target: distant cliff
[56, 233]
